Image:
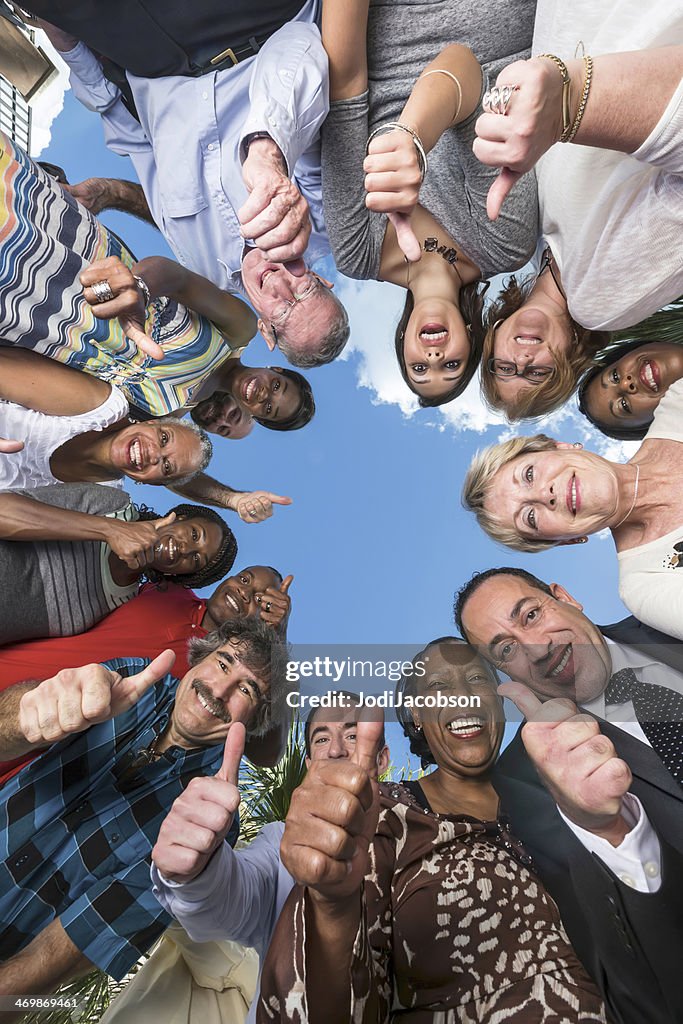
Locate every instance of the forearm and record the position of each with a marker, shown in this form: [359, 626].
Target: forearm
[331, 929]
[435, 102]
[207, 491]
[344, 32]
[25, 519]
[166, 277]
[49, 961]
[125, 196]
[13, 743]
[629, 93]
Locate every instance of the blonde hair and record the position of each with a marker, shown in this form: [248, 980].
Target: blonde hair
[479, 478]
[537, 399]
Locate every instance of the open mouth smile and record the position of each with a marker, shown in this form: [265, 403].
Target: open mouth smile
[250, 389]
[212, 706]
[135, 454]
[232, 603]
[433, 334]
[467, 728]
[649, 376]
[561, 661]
[573, 495]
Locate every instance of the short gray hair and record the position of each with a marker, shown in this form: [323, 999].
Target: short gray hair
[479, 478]
[330, 346]
[263, 651]
[205, 444]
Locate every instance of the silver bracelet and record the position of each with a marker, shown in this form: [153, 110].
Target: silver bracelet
[142, 285]
[391, 126]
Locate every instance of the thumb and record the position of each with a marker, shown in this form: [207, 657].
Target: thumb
[367, 739]
[142, 340]
[136, 685]
[286, 584]
[257, 201]
[166, 521]
[232, 754]
[406, 237]
[8, 447]
[499, 191]
[277, 499]
[522, 697]
[297, 267]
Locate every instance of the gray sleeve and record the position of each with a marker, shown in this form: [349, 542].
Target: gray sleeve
[355, 233]
[91, 498]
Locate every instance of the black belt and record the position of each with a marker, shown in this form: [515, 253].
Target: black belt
[230, 57]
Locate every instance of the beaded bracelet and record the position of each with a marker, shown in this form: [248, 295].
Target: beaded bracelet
[390, 126]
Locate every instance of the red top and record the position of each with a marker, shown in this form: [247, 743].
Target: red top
[142, 628]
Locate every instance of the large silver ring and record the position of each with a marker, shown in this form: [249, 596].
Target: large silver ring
[252, 512]
[103, 292]
[498, 99]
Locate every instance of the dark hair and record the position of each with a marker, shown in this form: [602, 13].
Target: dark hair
[611, 355]
[471, 306]
[468, 589]
[306, 410]
[355, 697]
[263, 652]
[407, 687]
[216, 568]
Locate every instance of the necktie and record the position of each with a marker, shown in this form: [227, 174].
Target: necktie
[659, 711]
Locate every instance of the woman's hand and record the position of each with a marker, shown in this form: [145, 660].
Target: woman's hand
[134, 543]
[514, 141]
[275, 604]
[255, 506]
[127, 306]
[392, 183]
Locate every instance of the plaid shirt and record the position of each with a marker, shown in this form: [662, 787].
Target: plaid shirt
[77, 830]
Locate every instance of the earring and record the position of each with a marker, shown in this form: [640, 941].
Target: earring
[577, 444]
[583, 540]
[418, 728]
[497, 324]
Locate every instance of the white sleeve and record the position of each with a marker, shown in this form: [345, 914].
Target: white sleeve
[288, 91]
[234, 896]
[637, 861]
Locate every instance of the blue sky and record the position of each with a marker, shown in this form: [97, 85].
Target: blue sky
[376, 537]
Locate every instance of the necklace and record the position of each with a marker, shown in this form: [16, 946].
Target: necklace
[633, 503]
[448, 253]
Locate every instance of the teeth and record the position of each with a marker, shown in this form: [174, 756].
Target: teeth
[231, 601]
[574, 495]
[205, 704]
[649, 376]
[136, 454]
[528, 341]
[171, 548]
[465, 724]
[250, 388]
[563, 662]
[433, 335]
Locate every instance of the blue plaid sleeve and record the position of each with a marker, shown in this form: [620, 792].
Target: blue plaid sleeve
[116, 920]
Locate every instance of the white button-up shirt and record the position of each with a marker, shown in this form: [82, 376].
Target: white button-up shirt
[188, 144]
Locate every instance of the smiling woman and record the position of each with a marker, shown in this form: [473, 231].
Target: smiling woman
[532, 493]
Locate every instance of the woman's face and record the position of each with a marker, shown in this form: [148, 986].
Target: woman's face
[463, 740]
[527, 341]
[186, 546]
[156, 453]
[559, 495]
[436, 347]
[627, 393]
[265, 393]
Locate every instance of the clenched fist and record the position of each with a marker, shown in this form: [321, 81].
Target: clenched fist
[201, 817]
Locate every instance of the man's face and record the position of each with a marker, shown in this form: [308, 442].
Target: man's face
[215, 693]
[239, 596]
[298, 310]
[333, 735]
[543, 641]
[222, 414]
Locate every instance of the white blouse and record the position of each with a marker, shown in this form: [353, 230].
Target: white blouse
[651, 575]
[43, 435]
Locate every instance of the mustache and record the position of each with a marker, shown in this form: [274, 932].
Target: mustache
[216, 705]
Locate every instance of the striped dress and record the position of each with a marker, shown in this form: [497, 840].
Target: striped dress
[46, 240]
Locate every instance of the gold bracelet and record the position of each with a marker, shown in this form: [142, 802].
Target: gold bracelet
[449, 74]
[587, 79]
[566, 88]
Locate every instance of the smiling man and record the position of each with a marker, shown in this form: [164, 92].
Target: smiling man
[79, 823]
[596, 796]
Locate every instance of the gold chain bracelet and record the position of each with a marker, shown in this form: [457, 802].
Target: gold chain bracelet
[566, 88]
[588, 78]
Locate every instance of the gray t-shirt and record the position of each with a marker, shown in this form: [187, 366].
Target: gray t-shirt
[403, 37]
[60, 588]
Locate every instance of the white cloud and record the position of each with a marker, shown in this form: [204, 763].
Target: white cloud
[49, 102]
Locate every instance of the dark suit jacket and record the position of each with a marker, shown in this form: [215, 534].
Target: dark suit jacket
[631, 942]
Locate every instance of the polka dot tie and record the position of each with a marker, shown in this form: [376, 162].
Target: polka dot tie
[659, 711]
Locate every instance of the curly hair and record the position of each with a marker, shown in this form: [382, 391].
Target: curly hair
[611, 355]
[262, 651]
[205, 444]
[306, 411]
[216, 568]
[537, 399]
[471, 304]
[479, 478]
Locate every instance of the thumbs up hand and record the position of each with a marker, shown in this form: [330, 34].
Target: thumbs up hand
[332, 819]
[200, 818]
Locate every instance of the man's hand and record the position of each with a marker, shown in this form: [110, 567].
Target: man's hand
[577, 763]
[201, 817]
[332, 819]
[134, 543]
[275, 216]
[9, 447]
[255, 506]
[275, 604]
[93, 193]
[127, 305]
[77, 698]
[392, 181]
[532, 124]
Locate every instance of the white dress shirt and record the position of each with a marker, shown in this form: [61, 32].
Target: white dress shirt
[637, 860]
[187, 146]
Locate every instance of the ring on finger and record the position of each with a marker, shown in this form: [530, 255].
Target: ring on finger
[497, 100]
[102, 290]
[252, 511]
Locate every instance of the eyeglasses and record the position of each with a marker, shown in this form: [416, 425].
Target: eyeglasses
[279, 320]
[504, 370]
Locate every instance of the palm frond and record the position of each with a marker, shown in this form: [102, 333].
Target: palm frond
[665, 325]
[267, 792]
